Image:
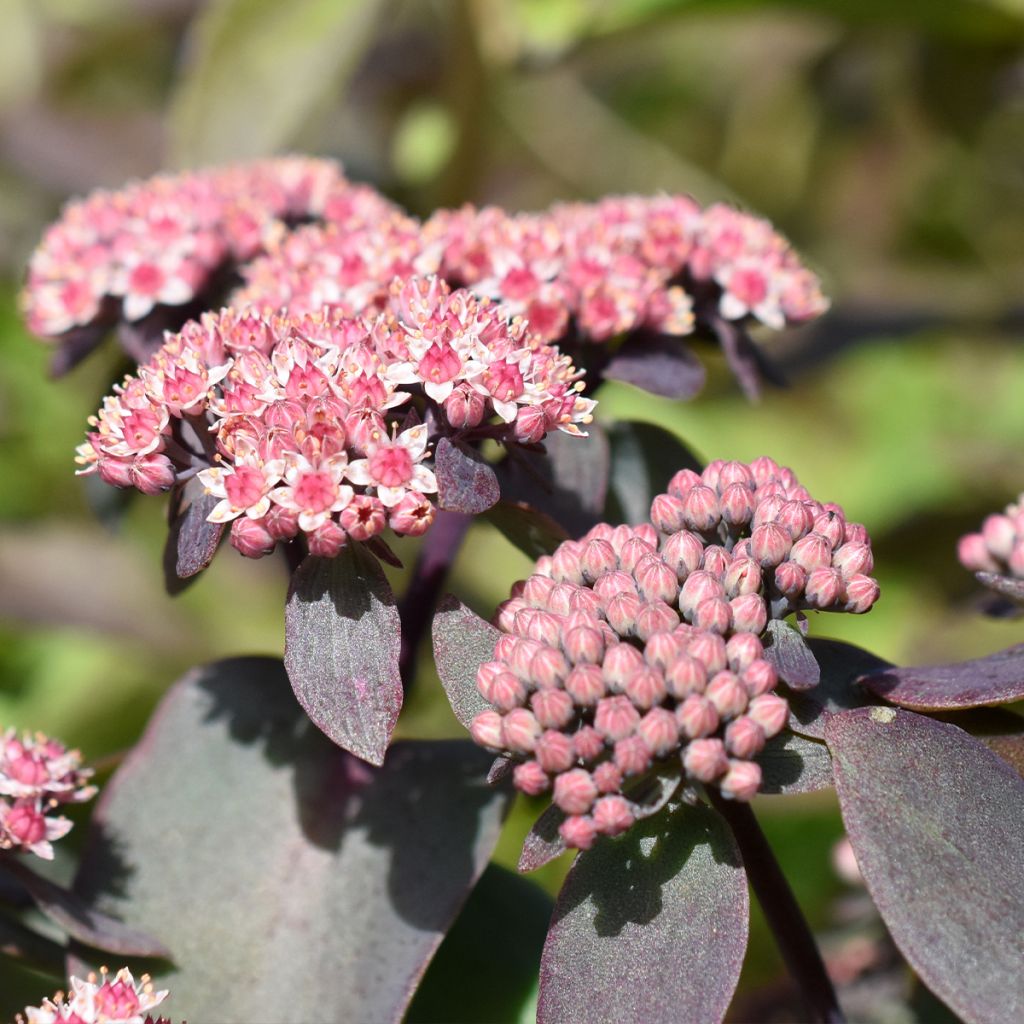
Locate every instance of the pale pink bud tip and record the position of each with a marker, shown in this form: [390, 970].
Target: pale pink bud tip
[705, 759]
[530, 778]
[744, 737]
[741, 781]
[612, 815]
[578, 832]
[486, 729]
[575, 791]
[770, 711]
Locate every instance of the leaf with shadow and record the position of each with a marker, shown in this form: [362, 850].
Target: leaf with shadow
[462, 643]
[192, 540]
[279, 854]
[791, 656]
[662, 364]
[649, 926]
[794, 764]
[1002, 731]
[465, 482]
[529, 529]
[343, 639]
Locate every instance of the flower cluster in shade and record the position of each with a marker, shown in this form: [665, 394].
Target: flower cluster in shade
[117, 254]
[639, 647]
[37, 776]
[100, 999]
[323, 423]
[999, 546]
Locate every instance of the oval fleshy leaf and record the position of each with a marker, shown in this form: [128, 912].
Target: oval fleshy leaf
[650, 926]
[1008, 586]
[543, 842]
[529, 529]
[937, 823]
[644, 458]
[81, 922]
[983, 682]
[791, 656]
[465, 482]
[191, 539]
[462, 643]
[1002, 731]
[280, 856]
[794, 764]
[342, 643]
[839, 689]
[662, 364]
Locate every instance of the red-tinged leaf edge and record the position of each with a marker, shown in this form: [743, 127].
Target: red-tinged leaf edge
[791, 656]
[1008, 586]
[659, 363]
[82, 922]
[465, 482]
[462, 643]
[192, 540]
[983, 682]
[531, 531]
[794, 764]
[650, 926]
[936, 821]
[342, 645]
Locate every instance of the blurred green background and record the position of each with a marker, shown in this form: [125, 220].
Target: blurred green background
[884, 137]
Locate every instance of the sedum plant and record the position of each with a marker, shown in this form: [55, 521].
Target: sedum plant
[315, 371]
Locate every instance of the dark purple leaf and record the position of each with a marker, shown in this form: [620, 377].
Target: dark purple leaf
[1005, 585]
[501, 769]
[995, 679]
[381, 549]
[74, 346]
[462, 643]
[191, 539]
[543, 843]
[662, 364]
[651, 926]
[568, 481]
[841, 666]
[747, 362]
[937, 824]
[1000, 730]
[794, 764]
[644, 458]
[792, 658]
[465, 482]
[533, 532]
[275, 854]
[342, 642]
[81, 921]
[34, 950]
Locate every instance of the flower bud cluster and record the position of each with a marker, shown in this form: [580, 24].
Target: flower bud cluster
[321, 424]
[999, 546]
[161, 241]
[37, 775]
[596, 679]
[99, 999]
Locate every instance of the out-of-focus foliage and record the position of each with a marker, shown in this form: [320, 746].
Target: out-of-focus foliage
[885, 137]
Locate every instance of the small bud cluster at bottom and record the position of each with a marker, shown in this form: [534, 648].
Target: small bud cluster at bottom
[99, 1000]
[999, 546]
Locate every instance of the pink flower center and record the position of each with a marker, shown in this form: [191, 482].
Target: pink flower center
[441, 363]
[391, 465]
[145, 279]
[519, 284]
[316, 492]
[245, 486]
[117, 1000]
[184, 389]
[139, 429]
[26, 824]
[749, 286]
[28, 770]
[504, 381]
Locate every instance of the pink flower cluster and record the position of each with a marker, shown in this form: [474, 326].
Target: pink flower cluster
[321, 424]
[100, 1000]
[160, 241]
[37, 775]
[999, 547]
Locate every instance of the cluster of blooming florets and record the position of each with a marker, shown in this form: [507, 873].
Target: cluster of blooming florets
[322, 424]
[999, 547]
[38, 775]
[100, 999]
[159, 242]
[638, 647]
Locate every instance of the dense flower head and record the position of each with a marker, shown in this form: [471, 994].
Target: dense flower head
[37, 775]
[118, 254]
[99, 999]
[999, 546]
[323, 423]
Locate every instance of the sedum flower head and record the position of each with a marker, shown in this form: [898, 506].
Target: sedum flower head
[999, 546]
[99, 999]
[323, 424]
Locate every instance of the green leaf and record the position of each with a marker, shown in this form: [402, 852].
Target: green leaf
[292, 881]
[937, 823]
[650, 926]
[257, 69]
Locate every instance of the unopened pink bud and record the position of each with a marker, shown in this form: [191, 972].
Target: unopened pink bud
[749, 614]
[578, 832]
[682, 482]
[620, 662]
[464, 408]
[613, 583]
[766, 507]
[608, 777]
[712, 473]
[560, 598]
[597, 558]
[621, 612]
[791, 579]
[701, 510]
[737, 504]
[812, 552]
[632, 756]
[1015, 562]
[728, 694]
[281, 523]
[742, 577]
[667, 513]
[616, 718]
[588, 743]
[830, 525]
[683, 553]
[710, 649]
[565, 563]
[659, 730]
[413, 515]
[856, 533]
[714, 614]
[700, 586]
[654, 617]
[759, 677]
[363, 517]
[655, 580]
[974, 554]
[999, 534]
[520, 731]
[505, 691]
[795, 518]
[744, 737]
[648, 534]
[585, 685]
[733, 473]
[685, 675]
[506, 612]
[771, 712]
[853, 559]
[646, 687]
[861, 593]
[537, 591]
[583, 644]
[530, 778]
[741, 781]
[662, 650]
[152, 474]
[575, 791]
[705, 759]
[583, 599]
[486, 729]
[26, 823]
[716, 561]
[548, 667]
[743, 649]
[251, 537]
[554, 752]
[327, 540]
[612, 815]
[769, 545]
[764, 470]
[553, 708]
[824, 588]
[544, 627]
[696, 717]
[632, 551]
[741, 549]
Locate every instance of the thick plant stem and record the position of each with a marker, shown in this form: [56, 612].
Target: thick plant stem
[440, 546]
[786, 920]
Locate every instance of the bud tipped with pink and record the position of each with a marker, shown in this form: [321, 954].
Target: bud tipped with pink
[701, 511]
[705, 760]
[555, 752]
[770, 711]
[486, 730]
[530, 778]
[578, 832]
[741, 781]
[612, 815]
[743, 649]
[824, 588]
[659, 730]
[749, 613]
[812, 552]
[585, 685]
[861, 594]
[575, 791]
[744, 737]
[769, 545]
[632, 756]
[554, 709]
[520, 731]
[683, 553]
[728, 694]
[616, 718]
